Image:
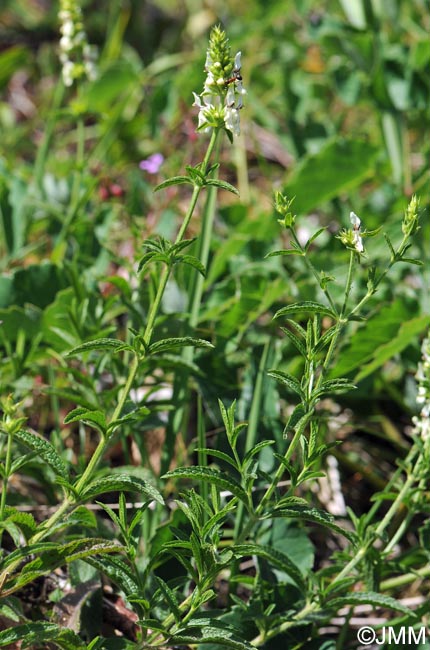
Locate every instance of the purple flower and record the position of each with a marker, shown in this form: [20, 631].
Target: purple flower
[152, 164]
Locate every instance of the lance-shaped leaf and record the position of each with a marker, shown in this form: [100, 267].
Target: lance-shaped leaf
[305, 306]
[210, 630]
[274, 557]
[41, 633]
[120, 483]
[223, 185]
[98, 344]
[178, 342]
[370, 598]
[311, 514]
[175, 180]
[45, 450]
[212, 476]
[193, 261]
[287, 380]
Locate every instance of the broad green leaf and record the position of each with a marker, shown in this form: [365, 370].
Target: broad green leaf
[24, 520]
[119, 483]
[370, 598]
[407, 334]
[338, 166]
[212, 476]
[178, 342]
[44, 449]
[381, 337]
[305, 306]
[97, 344]
[37, 284]
[210, 630]
[115, 81]
[274, 557]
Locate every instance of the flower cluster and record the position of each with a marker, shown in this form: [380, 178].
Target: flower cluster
[410, 220]
[76, 55]
[222, 97]
[352, 237]
[422, 421]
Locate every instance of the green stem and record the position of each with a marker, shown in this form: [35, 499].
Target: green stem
[39, 165]
[313, 270]
[105, 440]
[75, 197]
[7, 472]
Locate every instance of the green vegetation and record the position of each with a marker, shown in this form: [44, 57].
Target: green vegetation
[215, 396]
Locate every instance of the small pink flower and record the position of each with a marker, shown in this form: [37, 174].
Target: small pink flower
[152, 164]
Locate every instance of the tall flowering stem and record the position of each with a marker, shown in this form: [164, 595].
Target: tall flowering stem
[222, 97]
[76, 54]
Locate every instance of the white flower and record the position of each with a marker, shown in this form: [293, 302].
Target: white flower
[356, 228]
[232, 120]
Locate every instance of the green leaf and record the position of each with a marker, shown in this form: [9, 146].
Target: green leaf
[170, 598]
[283, 252]
[334, 386]
[97, 344]
[287, 380]
[178, 342]
[42, 633]
[45, 450]
[193, 261]
[311, 514]
[115, 82]
[216, 453]
[305, 306]
[337, 167]
[274, 557]
[93, 418]
[371, 598]
[117, 571]
[212, 476]
[298, 344]
[175, 180]
[210, 630]
[118, 483]
[407, 334]
[223, 185]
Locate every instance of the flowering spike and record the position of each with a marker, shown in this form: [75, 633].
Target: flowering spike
[223, 91]
[76, 55]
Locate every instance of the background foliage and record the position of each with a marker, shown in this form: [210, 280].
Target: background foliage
[337, 115]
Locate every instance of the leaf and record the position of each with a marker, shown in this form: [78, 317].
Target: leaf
[117, 571]
[97, 344]
[45, 450]
[121, 483]
[212, 476]
[340, 385]
[93, 418]
[407, 334]
[223, 185]
[311, 514]
[193, 261]
[287, 380]
[221, 455]
[305, 306]
[170, 598]
[371, 598]
[178, 342]
[175, 180]
[42, 632]
[209, 630]
[274, 557]
[298, 344]
[337, 167]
